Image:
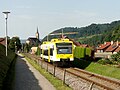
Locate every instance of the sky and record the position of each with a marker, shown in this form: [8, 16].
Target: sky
[50, 15]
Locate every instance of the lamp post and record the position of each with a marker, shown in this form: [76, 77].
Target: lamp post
[15, 46]
[6, 17]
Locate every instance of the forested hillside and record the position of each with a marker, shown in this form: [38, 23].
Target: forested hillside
[112, 35]
[92, 34]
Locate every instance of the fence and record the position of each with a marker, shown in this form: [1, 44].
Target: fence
[75, 82]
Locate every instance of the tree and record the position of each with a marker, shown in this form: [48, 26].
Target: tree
[38, 51]
[14, 44]
[27, 48]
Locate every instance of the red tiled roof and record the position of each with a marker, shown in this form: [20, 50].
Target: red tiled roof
[2, 41]
[111, 48]
[118, 49]
[119, 43]
[103, 46]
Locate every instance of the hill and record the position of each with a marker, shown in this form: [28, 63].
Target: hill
[90, 34]
[112, 35]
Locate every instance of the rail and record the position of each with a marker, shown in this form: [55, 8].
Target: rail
[76, 78]
[105, 82]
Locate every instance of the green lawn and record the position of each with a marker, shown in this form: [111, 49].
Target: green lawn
[104, 70]
[97, 68]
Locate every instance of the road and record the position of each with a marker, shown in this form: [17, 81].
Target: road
[28, 78]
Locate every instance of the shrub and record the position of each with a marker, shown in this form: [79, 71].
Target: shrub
[105, 61]
[116, 57]
[38, 51]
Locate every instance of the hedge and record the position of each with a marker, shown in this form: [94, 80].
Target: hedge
[5, 63]
[81, 52]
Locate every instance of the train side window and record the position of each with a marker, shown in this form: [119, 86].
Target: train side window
[51, 51]
[41, 51]
[46, 52]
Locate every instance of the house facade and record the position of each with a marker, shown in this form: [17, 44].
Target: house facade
[102, 48]
[109, 47]
[34, 42]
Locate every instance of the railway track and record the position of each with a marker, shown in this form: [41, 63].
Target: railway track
[99, 80]
[76, 78]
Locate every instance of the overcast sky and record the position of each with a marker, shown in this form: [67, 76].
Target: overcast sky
[50, 15]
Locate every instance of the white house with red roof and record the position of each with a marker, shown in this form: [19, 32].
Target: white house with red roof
[103, 47]
[113, 47]
[107, 49]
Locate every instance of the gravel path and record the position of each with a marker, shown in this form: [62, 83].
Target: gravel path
[28, 78]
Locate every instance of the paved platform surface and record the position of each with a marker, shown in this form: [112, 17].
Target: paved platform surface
[28, 78]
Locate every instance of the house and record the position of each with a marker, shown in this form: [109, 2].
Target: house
[3, 41]
[109, 47]
[33, 50]
[103, 47]
[34, 41]
[117, 50]
[112, 48]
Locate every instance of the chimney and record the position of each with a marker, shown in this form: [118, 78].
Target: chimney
[104, 42]
[117, 43]
[111, 42]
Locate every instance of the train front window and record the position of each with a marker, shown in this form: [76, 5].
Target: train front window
[64, 48]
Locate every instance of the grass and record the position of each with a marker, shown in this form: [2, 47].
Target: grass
[5, 64]
[105, 70]
[58, 84]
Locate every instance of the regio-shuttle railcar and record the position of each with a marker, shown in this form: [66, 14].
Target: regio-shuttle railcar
[57, 50]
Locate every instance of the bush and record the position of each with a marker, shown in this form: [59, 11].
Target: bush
[116, 57]
[105, 61]
[38, 51]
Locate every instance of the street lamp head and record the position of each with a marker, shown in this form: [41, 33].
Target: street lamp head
[6, 14]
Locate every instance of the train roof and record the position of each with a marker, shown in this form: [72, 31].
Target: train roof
[56, 41]
[51, 43]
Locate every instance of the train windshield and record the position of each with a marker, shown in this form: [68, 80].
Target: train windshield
[64, 48]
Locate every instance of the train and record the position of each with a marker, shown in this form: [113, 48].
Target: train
[57, 50]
